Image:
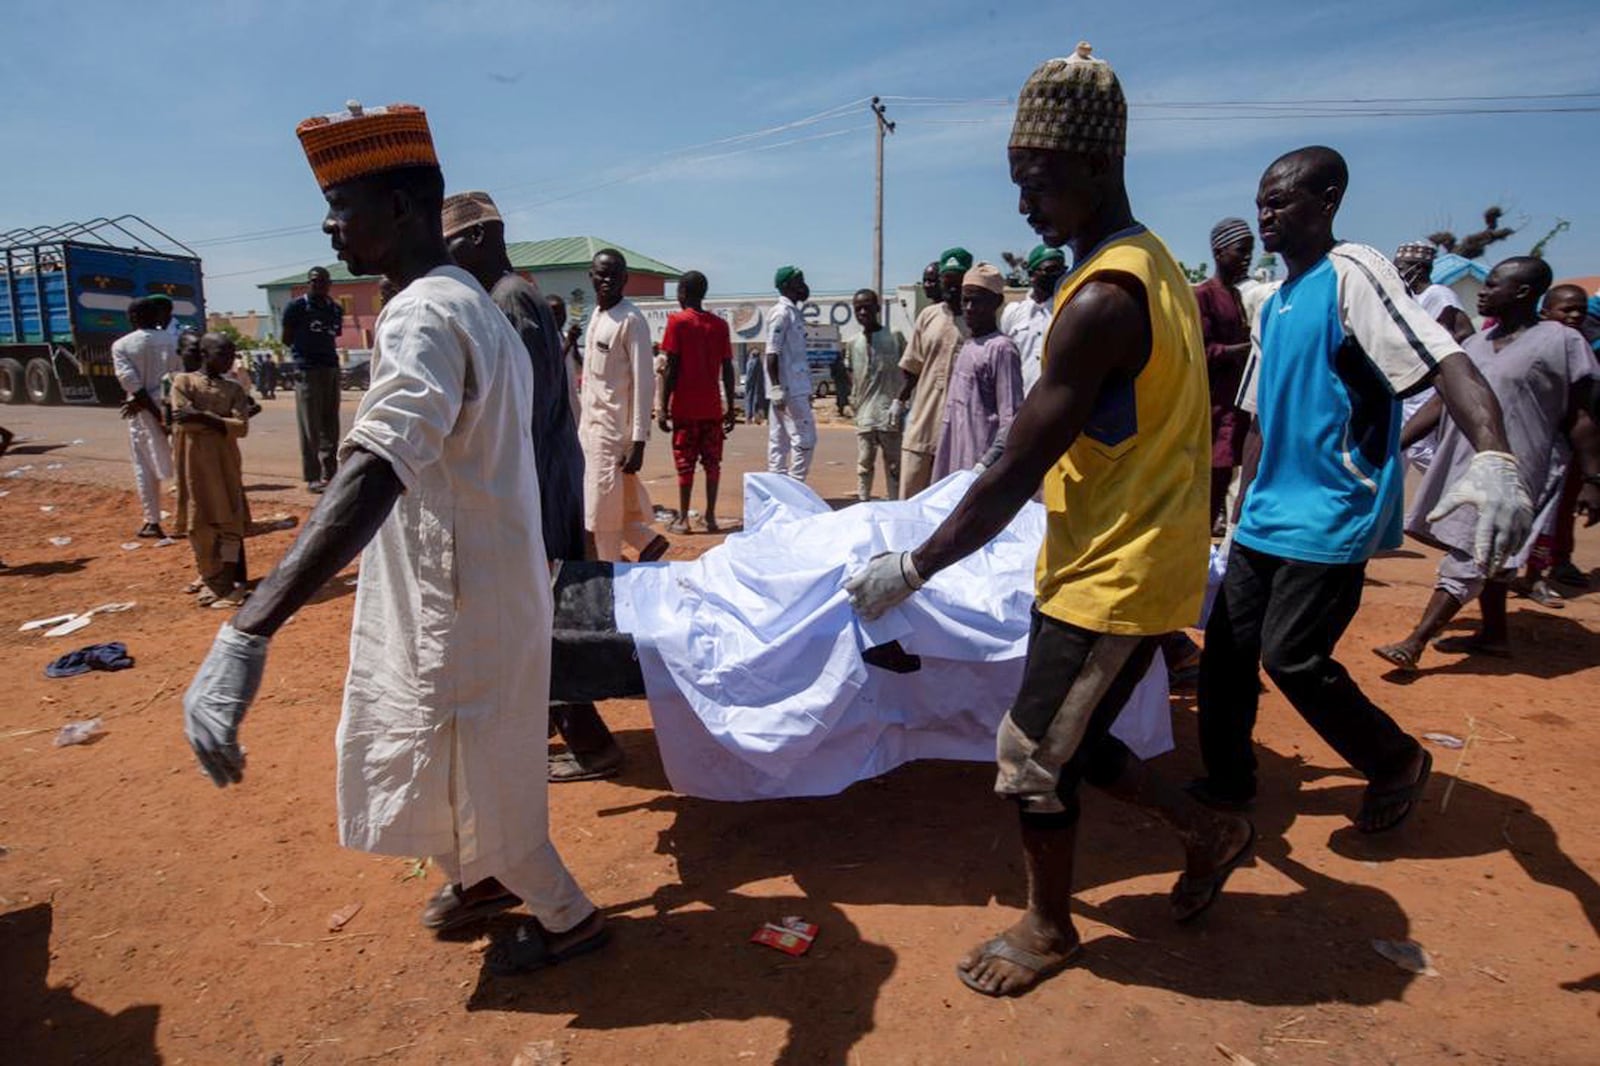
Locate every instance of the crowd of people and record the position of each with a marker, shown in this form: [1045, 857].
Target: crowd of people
[495, 440]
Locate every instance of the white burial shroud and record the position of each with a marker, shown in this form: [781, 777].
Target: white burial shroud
[752, 661]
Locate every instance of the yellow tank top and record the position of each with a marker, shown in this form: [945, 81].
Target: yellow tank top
[1126, 533]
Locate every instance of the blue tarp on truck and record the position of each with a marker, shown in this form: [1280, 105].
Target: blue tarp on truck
[64, 296]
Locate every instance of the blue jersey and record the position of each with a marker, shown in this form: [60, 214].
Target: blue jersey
[1333, 351]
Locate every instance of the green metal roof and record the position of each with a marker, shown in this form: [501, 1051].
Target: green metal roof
[557, 253]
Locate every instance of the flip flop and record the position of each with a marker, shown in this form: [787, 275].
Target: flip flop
[527, 949]
[1210, 886]
[447, 910]
[1041, 966]
[1397, 657]
[1411, 793]
[565, 768]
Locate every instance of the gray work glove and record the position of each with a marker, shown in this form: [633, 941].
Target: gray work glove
[887, 581]
[1505, 513]
[217, 699]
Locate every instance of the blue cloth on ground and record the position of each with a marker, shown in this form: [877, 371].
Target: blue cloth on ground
[112, 656]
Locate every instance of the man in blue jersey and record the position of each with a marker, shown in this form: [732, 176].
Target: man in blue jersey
[1334, 351]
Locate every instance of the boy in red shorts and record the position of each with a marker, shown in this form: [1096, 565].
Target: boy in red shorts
[699, 351]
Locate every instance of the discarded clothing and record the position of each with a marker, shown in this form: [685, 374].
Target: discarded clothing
[112, 656]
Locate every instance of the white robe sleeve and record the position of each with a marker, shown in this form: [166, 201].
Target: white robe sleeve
[419, 375]
[641, 359]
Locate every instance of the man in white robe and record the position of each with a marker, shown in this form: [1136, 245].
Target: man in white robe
[453, 609]
[614, 417]
[141, 359]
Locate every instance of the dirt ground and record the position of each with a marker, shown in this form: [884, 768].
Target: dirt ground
[148, 917]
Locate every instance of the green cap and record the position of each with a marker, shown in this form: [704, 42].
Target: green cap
[1043, 254]
[784, 274]
[952, 260]
[160, 297]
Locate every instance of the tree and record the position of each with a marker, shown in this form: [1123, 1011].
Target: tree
[1473, 245]
[1561, 226]
[1195, 274]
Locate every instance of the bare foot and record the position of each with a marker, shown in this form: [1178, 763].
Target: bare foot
[1019, 958]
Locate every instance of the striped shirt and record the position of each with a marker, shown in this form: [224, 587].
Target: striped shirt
[1333, 352]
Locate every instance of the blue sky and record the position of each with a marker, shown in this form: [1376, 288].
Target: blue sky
[585, 118]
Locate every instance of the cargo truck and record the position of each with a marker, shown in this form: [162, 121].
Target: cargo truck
[64, 296]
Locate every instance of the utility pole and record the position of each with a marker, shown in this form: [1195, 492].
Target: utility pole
[883, 126]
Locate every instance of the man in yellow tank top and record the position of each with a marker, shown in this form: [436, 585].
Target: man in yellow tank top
[1117, 432]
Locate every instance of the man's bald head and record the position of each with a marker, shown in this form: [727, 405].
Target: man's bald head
[1295, 203]
[1315, 167]
[1513, 288]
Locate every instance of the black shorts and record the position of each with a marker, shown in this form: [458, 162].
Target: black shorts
[1057, 654]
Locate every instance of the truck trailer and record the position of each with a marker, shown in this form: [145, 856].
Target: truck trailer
[64, 296]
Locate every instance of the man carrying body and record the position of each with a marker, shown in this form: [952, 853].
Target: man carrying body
[1116, 431]
[1026, 321]
[874, 359]
[938, 335]
[985, 380]
[1338, 344]
[311, 327]
[212, 411]
[792, 435]
[614, 416]
[475, 235]
[699, 351]
[1541, 372]
[141, 358]
[1227, 335]
[452, 621]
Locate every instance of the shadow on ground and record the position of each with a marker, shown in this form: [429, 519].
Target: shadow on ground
[41, 1025]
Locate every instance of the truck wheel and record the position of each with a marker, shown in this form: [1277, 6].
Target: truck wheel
[42, 382]
[13, 383]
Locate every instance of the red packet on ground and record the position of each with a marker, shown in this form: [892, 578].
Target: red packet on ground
[792, 936]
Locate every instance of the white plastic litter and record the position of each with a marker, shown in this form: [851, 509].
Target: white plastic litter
[165, 542]
[61, 542]
[72, 626]
[77, 732]
[112, 608]
[44, 623]
[18, 472]
[47, 508]
[80, 440]
[54, 466]
[131, 545]
[1445, 740]
[7, 492]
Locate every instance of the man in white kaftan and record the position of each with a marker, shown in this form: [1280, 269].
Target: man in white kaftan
[140, 359]
[614, 417]
[438, 733]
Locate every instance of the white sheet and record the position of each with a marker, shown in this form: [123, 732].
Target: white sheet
[752, 656]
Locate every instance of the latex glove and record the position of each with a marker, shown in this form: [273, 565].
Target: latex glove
[1505, 513]
[978, 468]
[778, 397]
[897, 410]
[217, 699]
[888, 580]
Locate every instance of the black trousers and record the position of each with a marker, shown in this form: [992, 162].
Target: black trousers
[316, 405]
[1287, 616]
